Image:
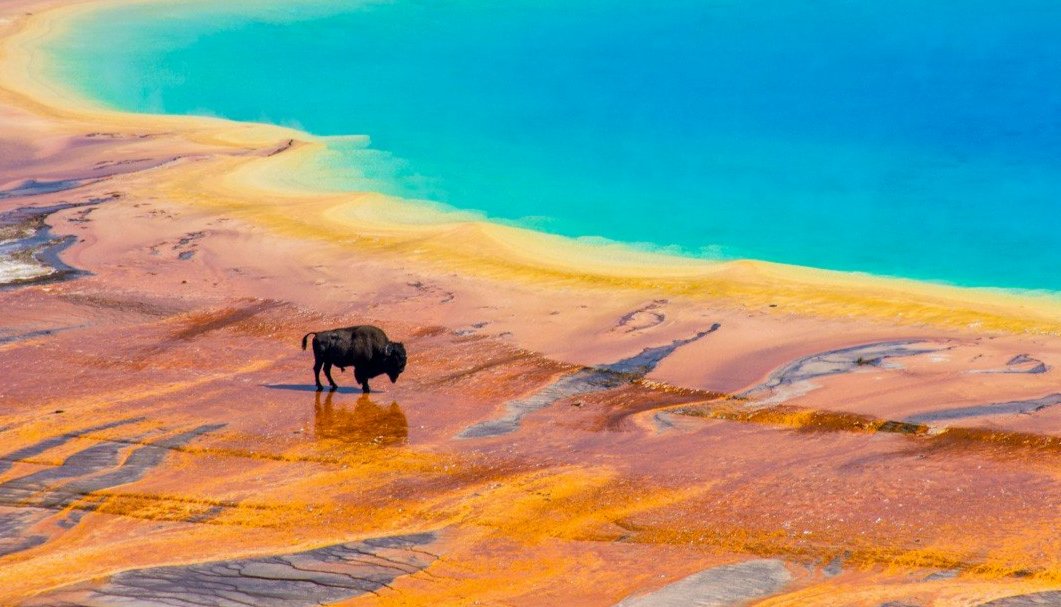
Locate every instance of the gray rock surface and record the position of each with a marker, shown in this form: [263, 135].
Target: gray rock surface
[27, 500]
[584, 381]
[1017, 406]
[299, 579]
[1050, 598]
[1021, 363]
[724, 586]
[793, 379]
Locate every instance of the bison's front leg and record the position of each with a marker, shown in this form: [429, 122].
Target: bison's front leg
[361, 379]
[328, 374]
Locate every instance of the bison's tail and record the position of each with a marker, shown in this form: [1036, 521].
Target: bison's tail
[306, 336]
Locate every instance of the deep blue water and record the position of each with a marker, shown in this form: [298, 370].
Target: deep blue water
[904, 138]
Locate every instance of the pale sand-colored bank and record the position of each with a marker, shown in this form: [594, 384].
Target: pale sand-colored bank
[573, 427]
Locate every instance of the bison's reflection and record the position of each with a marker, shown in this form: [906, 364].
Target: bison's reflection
[366, 424]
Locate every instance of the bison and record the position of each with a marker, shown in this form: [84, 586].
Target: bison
[365, 348]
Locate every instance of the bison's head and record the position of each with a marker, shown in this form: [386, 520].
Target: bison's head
[395, 362]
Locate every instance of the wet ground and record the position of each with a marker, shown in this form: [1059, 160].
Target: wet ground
[190, 462]
[552, 442]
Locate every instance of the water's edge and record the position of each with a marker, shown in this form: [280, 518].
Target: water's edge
[313, 183]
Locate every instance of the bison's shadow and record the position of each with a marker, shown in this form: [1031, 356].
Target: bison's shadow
[310, 388]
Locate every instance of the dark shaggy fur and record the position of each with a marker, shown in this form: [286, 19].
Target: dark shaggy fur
[365, 348]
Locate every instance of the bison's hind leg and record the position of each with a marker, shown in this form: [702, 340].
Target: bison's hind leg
[317, 364]
[328, 374]
[318, 361]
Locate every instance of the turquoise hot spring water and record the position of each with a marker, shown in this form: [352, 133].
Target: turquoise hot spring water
[908, 138]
